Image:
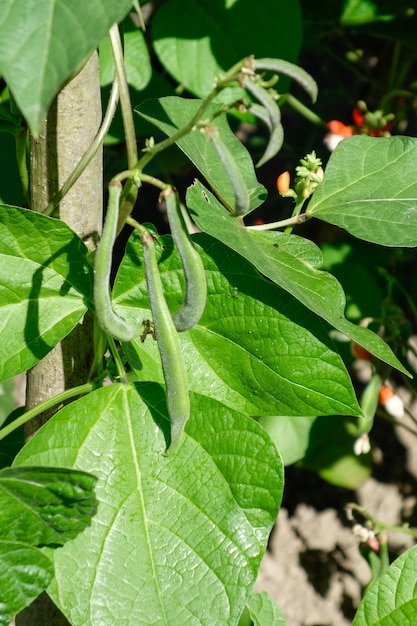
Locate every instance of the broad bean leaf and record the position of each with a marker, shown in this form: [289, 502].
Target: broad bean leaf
[392, 599]
[173, 113]
[43, 43]
[176, 540]
[24, 573]
[264, 611]
[317, 290]
[45, 285]
[41, 506]
[370, 190]
[255, 348]
[196, 40]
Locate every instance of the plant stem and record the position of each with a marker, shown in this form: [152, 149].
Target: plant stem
[379, 526]
[90, 152]
[46, 405]
[127, 114]
[118, 361]
[296, 219]
[303, 110]
[134, 224]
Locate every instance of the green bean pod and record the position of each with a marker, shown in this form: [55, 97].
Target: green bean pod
[194, 303]
[289, 69]
[272, 119]
[176, 384]
[242, 202]
[109, 321]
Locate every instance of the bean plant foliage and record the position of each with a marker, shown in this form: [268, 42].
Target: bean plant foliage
[164, 485]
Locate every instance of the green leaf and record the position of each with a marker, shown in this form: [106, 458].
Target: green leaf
[292, 434]
[255, 346]
[323, 444]
[317, 290]
[45, 280]
[41, 506]
[43, 43]
[264, 611]
[172, 113]
[370, 190]
[176, 540]
[358, 12]
[331, 452]
[196, 40]
[392, 599]
[24, 573]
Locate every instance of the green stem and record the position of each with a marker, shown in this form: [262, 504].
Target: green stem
[383, 554]
[136, 6]
[118, 361]
[152, 180]
[48, 404]
[127, 113]
[296, 214]
[379, 526]
[90, 152]
[134, 224]
[296, 219]
[304, 110]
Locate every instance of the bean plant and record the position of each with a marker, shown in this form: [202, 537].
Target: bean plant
[160, 471]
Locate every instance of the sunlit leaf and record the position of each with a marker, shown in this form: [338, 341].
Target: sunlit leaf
[167, 543]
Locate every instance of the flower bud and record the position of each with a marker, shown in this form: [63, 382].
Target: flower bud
[283, 182]
[320, 172]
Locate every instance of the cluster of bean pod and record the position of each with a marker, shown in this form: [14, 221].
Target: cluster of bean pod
[166, 326]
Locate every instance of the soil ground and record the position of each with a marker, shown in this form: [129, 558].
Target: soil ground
[313, 567]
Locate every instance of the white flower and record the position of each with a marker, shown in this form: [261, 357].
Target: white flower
[362, 445]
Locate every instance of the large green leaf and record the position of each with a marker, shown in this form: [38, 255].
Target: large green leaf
[41, 506]
[24, 573]
[198, 39]
[177, 539]
[317, 290]
[370, 189]
[255, 349]
[43, 43]
[45, 286]
[173, 113]
[392, 599]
